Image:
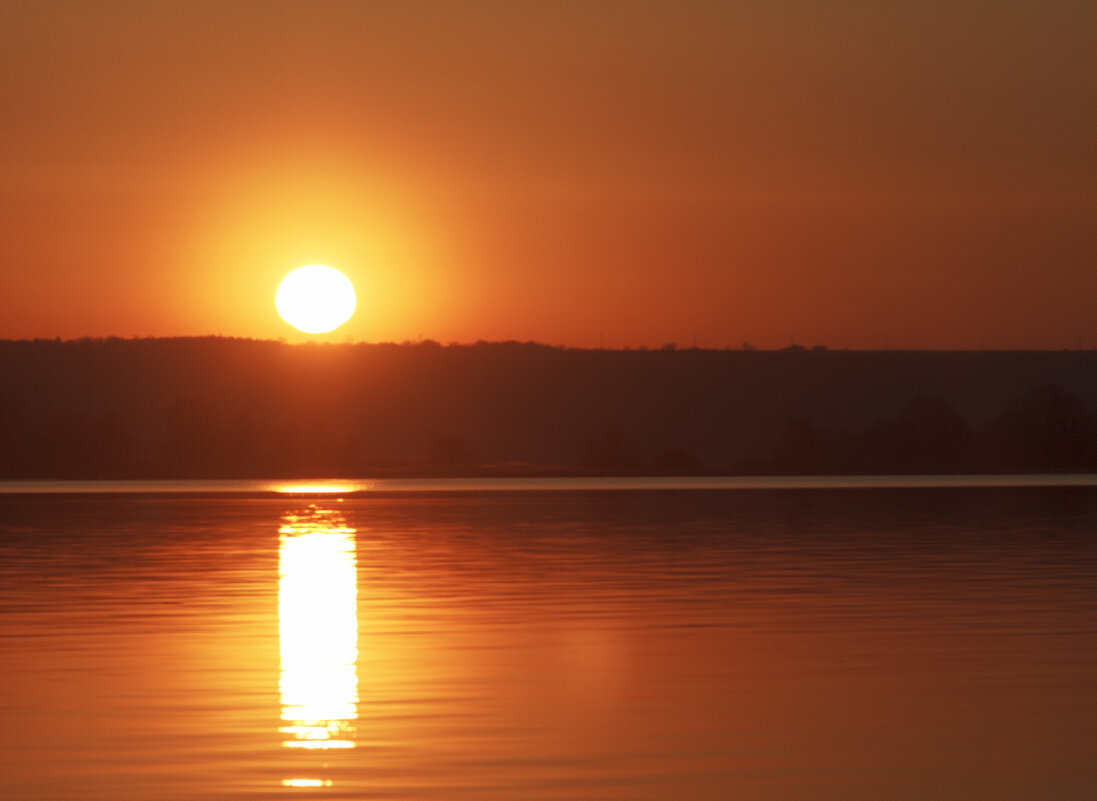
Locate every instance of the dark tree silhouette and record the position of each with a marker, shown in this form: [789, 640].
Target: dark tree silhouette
[927, 436]
[215, 407]
[1048, 429]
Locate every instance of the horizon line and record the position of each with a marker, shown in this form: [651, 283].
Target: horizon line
[670, 347]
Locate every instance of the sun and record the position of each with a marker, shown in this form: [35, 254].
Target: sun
[315, 299]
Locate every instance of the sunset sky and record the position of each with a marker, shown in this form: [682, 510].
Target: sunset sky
[860, 175]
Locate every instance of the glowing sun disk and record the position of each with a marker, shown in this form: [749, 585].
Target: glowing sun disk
[315, 299]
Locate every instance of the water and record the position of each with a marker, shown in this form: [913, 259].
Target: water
[805, 643]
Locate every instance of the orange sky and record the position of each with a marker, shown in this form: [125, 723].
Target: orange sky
[870, 175]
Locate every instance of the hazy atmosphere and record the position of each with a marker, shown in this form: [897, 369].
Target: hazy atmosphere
[862, 175]
[548, 401]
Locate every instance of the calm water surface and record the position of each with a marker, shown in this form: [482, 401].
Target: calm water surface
[798, 643]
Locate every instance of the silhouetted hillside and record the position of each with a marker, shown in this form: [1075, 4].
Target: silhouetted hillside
[214, 407]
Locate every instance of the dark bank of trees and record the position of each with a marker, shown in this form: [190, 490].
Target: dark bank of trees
[214, 407]
[1046, 430]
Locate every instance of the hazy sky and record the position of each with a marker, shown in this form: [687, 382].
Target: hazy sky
[849, 174]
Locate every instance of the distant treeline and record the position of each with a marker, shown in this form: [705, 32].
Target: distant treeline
[217, 407]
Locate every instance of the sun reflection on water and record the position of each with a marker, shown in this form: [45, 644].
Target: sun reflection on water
[307, 782]
[318, 628]
[318, 487]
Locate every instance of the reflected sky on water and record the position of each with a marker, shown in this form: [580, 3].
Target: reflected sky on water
[788, 644]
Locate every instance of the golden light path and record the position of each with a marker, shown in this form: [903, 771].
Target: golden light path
[319, 487]
[307, 783]
[318, 629]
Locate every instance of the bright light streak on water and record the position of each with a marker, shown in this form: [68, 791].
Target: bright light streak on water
[318, 630]
[320, 487]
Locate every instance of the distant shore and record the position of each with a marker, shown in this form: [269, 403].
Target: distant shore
[213, 407]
